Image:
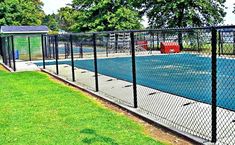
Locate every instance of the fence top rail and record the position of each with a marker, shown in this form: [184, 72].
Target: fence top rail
[5, 36]
[154, 30]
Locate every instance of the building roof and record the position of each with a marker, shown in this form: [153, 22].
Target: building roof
[24, 29]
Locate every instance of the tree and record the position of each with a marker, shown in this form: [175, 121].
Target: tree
[96, 15]
[182, 13]
[51, 21]
[21, 12]
[234, 8]
[66, 18]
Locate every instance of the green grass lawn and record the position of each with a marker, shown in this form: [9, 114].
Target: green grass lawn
[36, 110]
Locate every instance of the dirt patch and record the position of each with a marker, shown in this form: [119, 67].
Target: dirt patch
[158, 133]
[3, 68]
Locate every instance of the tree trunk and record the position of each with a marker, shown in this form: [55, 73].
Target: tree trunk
[180, 37]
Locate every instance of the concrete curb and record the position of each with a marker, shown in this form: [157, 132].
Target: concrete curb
[7, 67]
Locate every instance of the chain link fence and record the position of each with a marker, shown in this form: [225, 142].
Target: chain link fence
[183, 78]
[7, 51]
[19, 48]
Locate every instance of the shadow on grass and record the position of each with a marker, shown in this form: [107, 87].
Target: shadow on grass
[94, 137]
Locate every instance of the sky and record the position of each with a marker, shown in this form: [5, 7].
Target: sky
[51, 6]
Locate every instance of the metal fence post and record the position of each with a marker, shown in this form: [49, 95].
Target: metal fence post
[45, 47]
[68, 50]
[9, 51]
[30, 58]
[133, 69]
[198, 43]
[233, 42]
[49, 47]
[43, 55]
[107, 47]
[180, 40]
[164, 36]
[4, 50]
[81, 51]
[158, 48]
[56, 55]
[214, 85]
[153, 36]
[116, 43]
[13, 53]
[72, 59]
[221, 43]
[95, 64]
[65, 50]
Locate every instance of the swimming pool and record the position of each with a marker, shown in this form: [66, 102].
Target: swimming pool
[186, 75]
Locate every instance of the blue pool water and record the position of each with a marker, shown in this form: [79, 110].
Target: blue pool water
[186, 75]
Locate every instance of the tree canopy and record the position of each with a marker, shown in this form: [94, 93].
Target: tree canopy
[51, 21]
[96, 15]
[21, 12]
[182, 13]
[234, 8]
[66, 17]
[108, 15]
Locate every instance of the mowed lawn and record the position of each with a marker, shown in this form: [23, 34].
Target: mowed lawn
[34, 109]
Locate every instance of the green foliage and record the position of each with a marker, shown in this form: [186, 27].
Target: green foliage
[36, 110]
[105, 15]
[124, 18]
[66, 18]
[183, 13]
[21, 12]
[234, 8]
[53, 32]
[51, 21]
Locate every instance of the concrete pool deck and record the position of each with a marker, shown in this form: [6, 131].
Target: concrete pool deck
[176, 112]
[26, 66]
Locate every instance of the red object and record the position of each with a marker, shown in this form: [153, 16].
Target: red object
[170, 47]
[143, 44]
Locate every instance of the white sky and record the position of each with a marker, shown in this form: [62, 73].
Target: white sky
[230, 17]
[51, 6]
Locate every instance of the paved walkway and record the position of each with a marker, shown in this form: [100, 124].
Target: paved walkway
[26, 66]
[176, 112]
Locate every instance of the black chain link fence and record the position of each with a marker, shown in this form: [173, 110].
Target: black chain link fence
[176, 88]
[7, 51]
[183, 78]
[226, 86]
